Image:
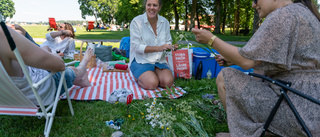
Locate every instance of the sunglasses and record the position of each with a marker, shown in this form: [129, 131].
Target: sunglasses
[255, 1]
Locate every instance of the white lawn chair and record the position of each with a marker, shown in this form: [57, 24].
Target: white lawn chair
[14, 102]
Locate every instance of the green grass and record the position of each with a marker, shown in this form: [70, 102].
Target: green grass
[39, 31]
[90, 116]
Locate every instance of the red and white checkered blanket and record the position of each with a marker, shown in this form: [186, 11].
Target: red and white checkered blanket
[104, 83]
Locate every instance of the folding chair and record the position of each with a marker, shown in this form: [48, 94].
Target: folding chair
[52, 24]
[90, 25]
[285, 87]
[14, 102]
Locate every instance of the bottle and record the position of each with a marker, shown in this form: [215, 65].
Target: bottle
[209, 74]
[199, 71]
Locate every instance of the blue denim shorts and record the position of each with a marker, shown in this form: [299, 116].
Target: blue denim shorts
[137, 68]
[70, 76]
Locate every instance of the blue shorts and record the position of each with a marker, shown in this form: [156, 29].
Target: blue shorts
[137, 68]
[70, 76]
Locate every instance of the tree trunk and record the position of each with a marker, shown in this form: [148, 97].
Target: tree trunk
[224, 16]
[176, 16]
[217, 17]
[193, 13]
[186, 18]
[246, 26]
[197, 17]
[255, 21]
[237, 18]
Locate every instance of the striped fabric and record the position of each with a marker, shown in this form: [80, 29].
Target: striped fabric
[18, 111]
[104, 83]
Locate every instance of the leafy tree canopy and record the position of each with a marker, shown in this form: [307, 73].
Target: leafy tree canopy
[7, 8]
[104, 9]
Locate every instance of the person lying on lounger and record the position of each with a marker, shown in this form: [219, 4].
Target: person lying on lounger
[61, 41]
[40, 63]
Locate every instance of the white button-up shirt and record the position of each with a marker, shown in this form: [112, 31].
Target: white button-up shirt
[142, 35]
[67, 45]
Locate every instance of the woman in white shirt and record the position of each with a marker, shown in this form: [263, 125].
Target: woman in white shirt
[149, 38]
[61, 41]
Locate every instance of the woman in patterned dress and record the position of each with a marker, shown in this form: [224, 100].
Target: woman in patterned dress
[286, 47]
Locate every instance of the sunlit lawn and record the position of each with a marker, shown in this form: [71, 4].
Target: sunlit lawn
[90, 116]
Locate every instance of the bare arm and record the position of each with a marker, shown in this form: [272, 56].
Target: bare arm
[32, 55]
[228, 51]
[164, 47]
[61, 33]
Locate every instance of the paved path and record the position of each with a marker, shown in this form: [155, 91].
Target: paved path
[118, 40]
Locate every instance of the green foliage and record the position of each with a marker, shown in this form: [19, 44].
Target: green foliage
[7, 8]
[103, 9]
[193, 124]
[128, 9]
[168, 92]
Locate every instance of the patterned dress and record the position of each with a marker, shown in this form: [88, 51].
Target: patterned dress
[288, 45]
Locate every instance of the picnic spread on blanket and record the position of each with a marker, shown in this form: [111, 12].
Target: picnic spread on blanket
[107, 76]
[104, 83]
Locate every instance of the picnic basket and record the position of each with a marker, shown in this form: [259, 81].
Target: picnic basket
[92, 63]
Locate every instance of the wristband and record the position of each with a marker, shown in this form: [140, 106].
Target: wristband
[212, 40]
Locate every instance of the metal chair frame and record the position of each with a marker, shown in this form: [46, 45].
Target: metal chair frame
[285, 87]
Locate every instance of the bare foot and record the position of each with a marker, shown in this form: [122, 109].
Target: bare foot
[223, 135]
[81, 71]
[87, 55]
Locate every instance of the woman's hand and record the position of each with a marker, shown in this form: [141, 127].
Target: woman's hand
[202, 36]
[175, 47]
[165, 47]
[223, 61]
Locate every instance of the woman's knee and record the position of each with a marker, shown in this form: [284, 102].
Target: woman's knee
[149, 84]
[220, 79]
[148, 81]
[167, 82]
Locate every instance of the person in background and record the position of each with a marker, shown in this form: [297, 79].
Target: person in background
[149, 38]
[40, 63]
[286, 46]
[61, 41]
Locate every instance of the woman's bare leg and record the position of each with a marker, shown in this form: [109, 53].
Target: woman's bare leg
[221, 89]
[165, 77]
[81, 71]
[148, 80]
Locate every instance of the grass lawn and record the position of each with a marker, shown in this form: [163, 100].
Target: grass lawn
[190, 115]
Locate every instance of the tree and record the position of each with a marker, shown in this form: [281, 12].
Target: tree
[193, 13]
[217, 16]
[236, 18]
[87, 8]
[186, 16]
[104, 9]
[7, 8]
[128, 9]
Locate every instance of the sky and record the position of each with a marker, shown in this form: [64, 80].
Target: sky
[41, 10]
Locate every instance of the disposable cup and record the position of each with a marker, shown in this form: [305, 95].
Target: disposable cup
[92, 46]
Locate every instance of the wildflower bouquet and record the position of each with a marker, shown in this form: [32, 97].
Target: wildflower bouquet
[157, 116]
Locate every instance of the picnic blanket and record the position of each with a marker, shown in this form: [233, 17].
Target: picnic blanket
[104, 83]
